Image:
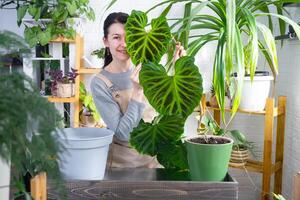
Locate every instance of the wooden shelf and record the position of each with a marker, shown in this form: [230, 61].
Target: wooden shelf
[276, 113]
[62, 100]
[89, 70]
[63, 40]
[256, 166]
[267, 167]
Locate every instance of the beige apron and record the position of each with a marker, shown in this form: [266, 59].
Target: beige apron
[120, 153]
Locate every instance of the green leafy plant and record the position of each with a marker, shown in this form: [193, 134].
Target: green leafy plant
[88, 103]
[229, 22]
[239, 139]
[12, 46]
[28, 128]
[173, 92]
[278, 196]
[99, 53]
[28, 123]
[57, 11]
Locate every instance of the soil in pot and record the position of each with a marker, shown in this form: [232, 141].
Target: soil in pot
[210, 140]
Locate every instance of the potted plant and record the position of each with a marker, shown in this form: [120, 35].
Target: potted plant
[240, 147]
[27, 129]
[229, 22]
[228, 96]
[62, 85]
[97, 57]
[89, 115]
[175, 89]
[51, 18]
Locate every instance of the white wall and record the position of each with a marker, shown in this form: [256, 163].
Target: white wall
[288, 81]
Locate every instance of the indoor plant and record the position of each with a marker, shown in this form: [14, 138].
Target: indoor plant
[26, 133]
[97, 57]
[170, 95]
[174, 92]
[229, 22]
[89, 115]
[62, 85]
[56, 13]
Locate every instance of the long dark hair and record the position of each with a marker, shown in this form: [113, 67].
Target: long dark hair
[116, 17]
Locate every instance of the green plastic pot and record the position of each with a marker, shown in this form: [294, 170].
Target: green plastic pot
[208, 162]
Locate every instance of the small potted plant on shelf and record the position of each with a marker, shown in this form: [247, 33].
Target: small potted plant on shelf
[89, 115]
[63, 85]
[97, 57]
[228, 96]
[49, 18]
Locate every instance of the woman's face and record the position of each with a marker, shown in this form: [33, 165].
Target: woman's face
[115, 41]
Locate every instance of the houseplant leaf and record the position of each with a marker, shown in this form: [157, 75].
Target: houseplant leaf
[173, 156]
[176, 94]
[147, 138]
[143, 45]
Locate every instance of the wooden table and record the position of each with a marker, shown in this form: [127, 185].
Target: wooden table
[146, 184]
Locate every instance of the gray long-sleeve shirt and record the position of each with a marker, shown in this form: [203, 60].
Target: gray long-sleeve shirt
[110, 111]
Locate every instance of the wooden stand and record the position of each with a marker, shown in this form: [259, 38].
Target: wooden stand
[38, 186]
[266, 166]
[78, 41]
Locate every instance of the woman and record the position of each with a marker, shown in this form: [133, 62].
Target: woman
[119, 97]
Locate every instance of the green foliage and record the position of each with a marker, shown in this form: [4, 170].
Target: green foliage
[229, 20]
[28, 127]
[143, 45]
[100, 53]
[148, 138]
[57, 11]
[239, 139]
[87, 101]
[173, 93]
[12, 46]
[278, 196]
[177, 94]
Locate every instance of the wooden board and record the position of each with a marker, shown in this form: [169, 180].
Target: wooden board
[146, 184]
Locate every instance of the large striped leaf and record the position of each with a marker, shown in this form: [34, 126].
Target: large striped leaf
[147, 138]
[143, 45]
[177, 94]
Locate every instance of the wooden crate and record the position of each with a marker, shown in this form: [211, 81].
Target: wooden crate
[148, 184]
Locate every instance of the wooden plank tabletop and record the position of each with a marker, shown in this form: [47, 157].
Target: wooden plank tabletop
[146, 184]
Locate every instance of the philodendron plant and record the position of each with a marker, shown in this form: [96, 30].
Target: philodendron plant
[173, 92]
[234, 25]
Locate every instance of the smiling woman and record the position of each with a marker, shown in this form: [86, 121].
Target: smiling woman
[119, 97]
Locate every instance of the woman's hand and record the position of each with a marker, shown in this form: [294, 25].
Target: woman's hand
[137, 93]
[179, 52]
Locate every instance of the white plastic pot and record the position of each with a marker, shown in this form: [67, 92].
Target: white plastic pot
[4, 179]
[255, 93]
[86, 153]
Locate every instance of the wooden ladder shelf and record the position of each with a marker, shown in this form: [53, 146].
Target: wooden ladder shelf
[266, 166]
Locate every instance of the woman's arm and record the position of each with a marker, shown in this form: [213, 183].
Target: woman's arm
[111, 113]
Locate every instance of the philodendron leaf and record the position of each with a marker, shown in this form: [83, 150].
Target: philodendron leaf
[177, 94]
[147, 138]
[173, 156]
[143, 45]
